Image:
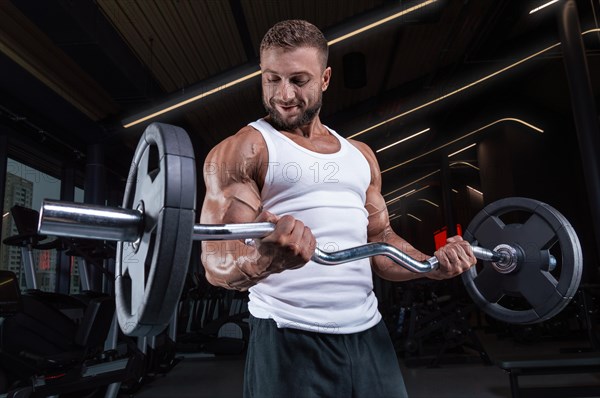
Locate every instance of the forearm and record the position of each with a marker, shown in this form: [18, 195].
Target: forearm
[387, 269]
[232, 264]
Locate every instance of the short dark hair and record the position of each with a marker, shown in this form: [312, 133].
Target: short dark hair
[296, 33]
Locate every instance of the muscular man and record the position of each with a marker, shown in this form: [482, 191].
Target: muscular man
[315, 329]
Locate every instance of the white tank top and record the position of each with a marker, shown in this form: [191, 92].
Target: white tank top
[327, 193]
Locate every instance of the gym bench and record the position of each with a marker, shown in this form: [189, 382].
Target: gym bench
[563, 364]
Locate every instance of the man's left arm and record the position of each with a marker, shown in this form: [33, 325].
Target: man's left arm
[454, 258]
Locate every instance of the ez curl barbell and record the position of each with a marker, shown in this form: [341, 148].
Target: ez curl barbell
[155, 230]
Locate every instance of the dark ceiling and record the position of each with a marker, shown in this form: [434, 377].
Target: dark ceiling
[74, 70]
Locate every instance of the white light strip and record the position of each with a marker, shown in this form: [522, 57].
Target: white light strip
[395, 217]
[542, 6]
[382, 21]
[430, 202]
[415, 217]
[402, 140]
[192, 99]
[397, 198]
[454, 190]
[465, 163]
[419, 190]
[475, 190]
[407, 194]
[257, 73]
[539, 130]
[461, 150]
[594, 13]
[6, 214]
[590, 31]
[468, 86]
[412, 182]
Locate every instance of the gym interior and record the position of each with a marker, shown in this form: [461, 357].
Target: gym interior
[484, 119]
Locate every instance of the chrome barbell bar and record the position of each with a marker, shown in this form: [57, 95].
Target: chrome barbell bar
[78, 220]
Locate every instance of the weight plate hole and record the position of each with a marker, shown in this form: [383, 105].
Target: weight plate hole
[153, 162]
[514, 301]
[126, 289]
[148, 261]
[515, 217]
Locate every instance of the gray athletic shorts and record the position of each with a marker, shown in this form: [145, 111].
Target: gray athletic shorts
[287, 363]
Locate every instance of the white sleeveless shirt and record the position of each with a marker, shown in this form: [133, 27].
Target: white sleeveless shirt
[327, 193]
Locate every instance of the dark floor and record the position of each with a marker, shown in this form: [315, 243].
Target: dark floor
[216, 377]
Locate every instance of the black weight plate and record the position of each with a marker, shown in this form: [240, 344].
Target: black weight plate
[544, 230]
[150, 273]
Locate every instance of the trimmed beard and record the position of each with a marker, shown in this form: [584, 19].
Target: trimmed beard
[304, 118]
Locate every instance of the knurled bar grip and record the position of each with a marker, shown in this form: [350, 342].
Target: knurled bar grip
[87, 221]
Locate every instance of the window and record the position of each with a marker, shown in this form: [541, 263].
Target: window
[76, 262]
[79, 195]
[27, 187]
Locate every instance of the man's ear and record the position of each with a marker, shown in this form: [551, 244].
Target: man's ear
[326, 78]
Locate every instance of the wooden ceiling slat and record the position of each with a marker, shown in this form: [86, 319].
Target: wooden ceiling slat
[195, 28]
[261, 16]
[216, 42]
[171, 37]
[149, 19]
[195, 68]
[228, 32]
[251, 16]
[209, 32]
[188, 38]
[137, 35]
[300, 8]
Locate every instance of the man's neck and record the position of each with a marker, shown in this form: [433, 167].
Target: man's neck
[313, 129]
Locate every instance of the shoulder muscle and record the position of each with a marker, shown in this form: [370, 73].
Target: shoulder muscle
[232, 173]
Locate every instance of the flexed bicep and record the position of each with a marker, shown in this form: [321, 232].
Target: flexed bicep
[231, 172]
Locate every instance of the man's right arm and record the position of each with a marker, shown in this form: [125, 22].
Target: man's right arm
[233, 172]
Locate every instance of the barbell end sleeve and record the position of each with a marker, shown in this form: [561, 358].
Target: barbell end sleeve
[80, 220]
[488, 255]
